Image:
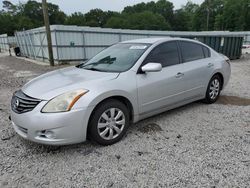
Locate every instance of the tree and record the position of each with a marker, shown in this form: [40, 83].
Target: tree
[143, 20]
[26, 16]
[33, 10]
[236, 15]
[97, 17]
[9, 7]
[7, 21]
[161, 7]
[76, 18]
[117, 22]
[183, 18]
[140, 7]
[165, 8]
[56, 16]
[208, 11]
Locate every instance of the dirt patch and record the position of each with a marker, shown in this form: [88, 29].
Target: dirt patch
[152, 127]
[233, 100]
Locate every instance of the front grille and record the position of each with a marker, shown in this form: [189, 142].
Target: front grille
[22, 103]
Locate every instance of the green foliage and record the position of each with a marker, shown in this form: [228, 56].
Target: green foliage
[184, 17]
[7, 21]
[97, 17]
[233, 15]
[10, 7]
[143, 20]
[236, 15]
[161, 7]
[76, 18]
[27, 16]
[213, 8]
[117, 22]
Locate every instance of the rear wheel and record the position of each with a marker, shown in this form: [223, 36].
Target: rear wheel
[213, 89]
[109, 122]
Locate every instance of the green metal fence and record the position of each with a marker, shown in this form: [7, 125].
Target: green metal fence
[227, 45]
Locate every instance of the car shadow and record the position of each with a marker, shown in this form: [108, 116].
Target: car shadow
[148, 125]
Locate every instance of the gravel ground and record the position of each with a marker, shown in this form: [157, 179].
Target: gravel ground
[196, 145]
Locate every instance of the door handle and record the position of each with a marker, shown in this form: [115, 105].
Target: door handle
[179, 75]
[210, 65]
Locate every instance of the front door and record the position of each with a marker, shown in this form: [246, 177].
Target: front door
[159, 89]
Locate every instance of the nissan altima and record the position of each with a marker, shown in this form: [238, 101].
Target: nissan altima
[121, 85]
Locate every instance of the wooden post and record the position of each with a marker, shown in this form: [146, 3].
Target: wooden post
[48, 32]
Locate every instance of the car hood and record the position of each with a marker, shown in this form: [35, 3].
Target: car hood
[60, 81]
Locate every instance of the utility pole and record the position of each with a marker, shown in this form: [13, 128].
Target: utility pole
[48, 32]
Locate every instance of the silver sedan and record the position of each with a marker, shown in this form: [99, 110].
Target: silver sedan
[121, 85]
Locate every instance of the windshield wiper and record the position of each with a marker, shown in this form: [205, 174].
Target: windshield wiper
[93, 69]
[106, 60]
[95, 64]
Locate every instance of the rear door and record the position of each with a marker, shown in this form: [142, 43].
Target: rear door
[197, 68]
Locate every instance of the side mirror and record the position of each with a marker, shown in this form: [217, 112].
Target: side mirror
[151, 67]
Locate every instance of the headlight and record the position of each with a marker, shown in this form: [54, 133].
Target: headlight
[64, 102]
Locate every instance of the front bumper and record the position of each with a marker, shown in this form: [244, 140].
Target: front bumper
[52, 128]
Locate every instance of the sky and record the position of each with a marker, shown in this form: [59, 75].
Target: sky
[70, 6]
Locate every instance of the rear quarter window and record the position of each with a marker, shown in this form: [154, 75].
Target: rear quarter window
[206, 51]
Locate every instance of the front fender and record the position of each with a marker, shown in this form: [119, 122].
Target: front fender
[116, 93]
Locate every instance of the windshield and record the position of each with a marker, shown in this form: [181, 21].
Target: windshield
[117, 58]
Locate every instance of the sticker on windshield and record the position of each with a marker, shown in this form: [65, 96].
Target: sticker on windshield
[138, 47]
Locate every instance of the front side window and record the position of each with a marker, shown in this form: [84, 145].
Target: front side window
[166, 54]
[117, 58]
[191, 51]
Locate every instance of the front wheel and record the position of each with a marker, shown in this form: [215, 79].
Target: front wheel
[213, 90]
[109, 122]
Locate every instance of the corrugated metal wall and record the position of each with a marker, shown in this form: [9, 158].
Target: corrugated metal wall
[4, 45]
[246, 35]
[78, 43]
[12, 41]
[247, 38]
[6, 42]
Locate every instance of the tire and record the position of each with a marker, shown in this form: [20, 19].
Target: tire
[109, 122]
[213, 89]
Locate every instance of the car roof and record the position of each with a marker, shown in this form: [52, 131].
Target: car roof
[157, 40]
[147, 40]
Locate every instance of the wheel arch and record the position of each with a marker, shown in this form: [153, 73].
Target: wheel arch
[123, 99]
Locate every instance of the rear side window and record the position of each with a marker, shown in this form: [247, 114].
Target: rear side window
[206, 52]
[191, 51]
[166, 54]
